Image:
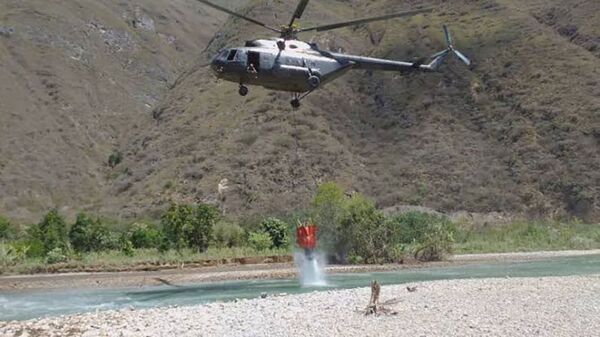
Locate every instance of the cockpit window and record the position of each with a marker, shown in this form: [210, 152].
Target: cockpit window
[232, 54]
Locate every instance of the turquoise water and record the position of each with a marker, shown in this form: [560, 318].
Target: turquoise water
[21, 306]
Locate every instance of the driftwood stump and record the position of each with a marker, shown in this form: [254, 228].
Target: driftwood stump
[374, 307]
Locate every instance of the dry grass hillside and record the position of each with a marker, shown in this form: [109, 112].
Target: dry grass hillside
[76, 79]
[519, 132]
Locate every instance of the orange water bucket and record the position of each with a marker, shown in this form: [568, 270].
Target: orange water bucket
[306, 236]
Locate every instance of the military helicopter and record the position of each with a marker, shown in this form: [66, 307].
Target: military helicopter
[288, 64]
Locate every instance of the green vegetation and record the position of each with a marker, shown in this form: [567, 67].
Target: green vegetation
[141, 259]
[260, 241]
[89, 235]
[431, 236]
[228, 235]
[278, 231]
[351, 229]
[187, 226]
[115, 159]
[6, 230]
[357, 232]
[142, 235]
[187, 234]
[528, 236]
[51, 232]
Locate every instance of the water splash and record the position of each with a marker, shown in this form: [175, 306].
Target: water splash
[310, 270]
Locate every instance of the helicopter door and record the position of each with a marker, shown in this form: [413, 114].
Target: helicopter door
[254, 61]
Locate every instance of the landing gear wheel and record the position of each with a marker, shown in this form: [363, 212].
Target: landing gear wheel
[314, 82]
[295, 103]
[243, 90]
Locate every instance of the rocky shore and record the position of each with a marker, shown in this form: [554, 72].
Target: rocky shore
[553, 306]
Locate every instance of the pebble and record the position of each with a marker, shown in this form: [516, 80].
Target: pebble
[553, 306]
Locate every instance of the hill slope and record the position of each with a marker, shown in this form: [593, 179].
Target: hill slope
[75, 79]
[520, 132]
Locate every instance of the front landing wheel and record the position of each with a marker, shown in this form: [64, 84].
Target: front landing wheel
[243, 90]
[295, 103]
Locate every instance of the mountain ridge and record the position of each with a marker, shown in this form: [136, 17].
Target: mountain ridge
[519, 133]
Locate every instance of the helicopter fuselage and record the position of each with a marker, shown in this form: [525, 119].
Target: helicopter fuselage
[299, 67]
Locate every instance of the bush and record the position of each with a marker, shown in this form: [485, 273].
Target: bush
[229, 235]
[411, 227]
[260, 241]
[126, 246]
[200, 230]
[12, 254]
[430, 235]
[354, 229]
[435, 243]
[328, 208]
[20, 250]
[52, 232]
[115, 159]
[350, 227]
[175, 223]
[88, 235]
[7, 257]
[7, 232]
[189, 226]
[56, 255]
[363, 232]
[277, 230]
[36, 246]
[144, 236]
[355, 259]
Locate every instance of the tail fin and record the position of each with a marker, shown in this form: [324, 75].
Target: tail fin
[440, 57]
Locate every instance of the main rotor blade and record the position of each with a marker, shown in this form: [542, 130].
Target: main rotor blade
[299, 11]
[366, 20]
[228, 11]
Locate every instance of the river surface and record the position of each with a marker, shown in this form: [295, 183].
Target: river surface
[22, 306]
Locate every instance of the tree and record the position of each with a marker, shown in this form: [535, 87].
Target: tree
[329, 206]
[52, 232]
[200, 230]
[277, 230]
[189, 226]
[226, 234]
[362, 231]
[174, 223]
[88, 235]
[144, 236]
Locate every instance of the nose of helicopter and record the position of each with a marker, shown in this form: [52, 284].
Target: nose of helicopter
[217, 65]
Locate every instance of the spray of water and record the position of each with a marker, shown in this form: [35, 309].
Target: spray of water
[310, 270]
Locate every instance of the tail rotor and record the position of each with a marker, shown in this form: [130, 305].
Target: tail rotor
[438, 59]
[451, 48]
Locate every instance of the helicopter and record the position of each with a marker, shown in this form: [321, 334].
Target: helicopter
[285, 63]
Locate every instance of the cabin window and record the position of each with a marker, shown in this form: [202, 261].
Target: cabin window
[232, 54]
[293, 46]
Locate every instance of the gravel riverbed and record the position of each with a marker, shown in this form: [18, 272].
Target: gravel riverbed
[552, 306]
